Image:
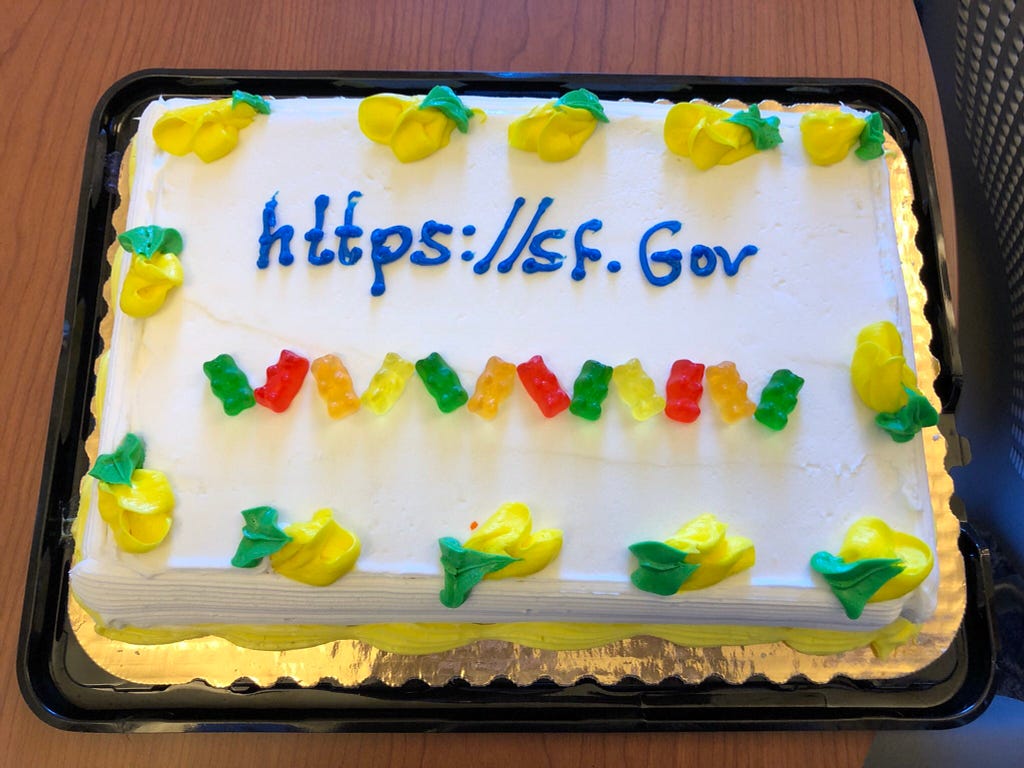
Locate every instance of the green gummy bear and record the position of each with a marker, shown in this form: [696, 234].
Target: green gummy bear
[442, 382]
[229, 384]
[590, 390]
[778, 399]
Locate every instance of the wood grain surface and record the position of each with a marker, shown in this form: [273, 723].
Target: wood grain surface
[56, 60]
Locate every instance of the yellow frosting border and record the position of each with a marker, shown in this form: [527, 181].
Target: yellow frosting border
[220, 654]
[428, 638]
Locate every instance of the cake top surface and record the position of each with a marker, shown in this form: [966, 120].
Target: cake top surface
[821, 263]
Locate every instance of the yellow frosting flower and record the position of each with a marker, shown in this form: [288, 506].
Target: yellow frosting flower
[154, 268]
[702, 133]
[879, 371]
[139, 514]
[719, 556]
[870, 537]
[147, 283]
[414, 128]
[320, 551]
[210, 130]
[507, 532]
[828, 136]
[558, 130]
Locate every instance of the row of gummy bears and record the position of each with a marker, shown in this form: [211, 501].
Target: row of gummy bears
[637, 390]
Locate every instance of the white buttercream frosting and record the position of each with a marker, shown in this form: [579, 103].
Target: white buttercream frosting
[827, 265]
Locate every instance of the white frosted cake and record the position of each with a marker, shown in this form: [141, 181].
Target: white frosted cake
[598, 256]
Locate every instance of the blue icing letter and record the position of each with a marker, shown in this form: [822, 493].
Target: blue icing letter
[272, 233]
[544, 260]
[732, 267]
[316, 234]
[485, 263]
[347, 231]
[506, 264]
[671, 257]
[431, 228]
[702, 260]
[381, 254]
[583, 252]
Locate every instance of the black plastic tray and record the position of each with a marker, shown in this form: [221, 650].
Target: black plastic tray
[66, 689]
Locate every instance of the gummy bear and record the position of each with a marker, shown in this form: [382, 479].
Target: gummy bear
[542, 386]
[284, 379]
[683, 391]
[637, 391]
[442, 382]
[778, 399]
[590, 389]
[387, 384]
[229, 384]
[729, 392]
[492, 388]
[335, 386]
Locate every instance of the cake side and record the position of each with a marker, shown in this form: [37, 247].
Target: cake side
[666, 472]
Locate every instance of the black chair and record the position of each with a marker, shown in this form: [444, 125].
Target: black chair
[977, 53]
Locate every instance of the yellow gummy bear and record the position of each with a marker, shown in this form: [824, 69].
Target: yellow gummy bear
[719, 556]
[555, 133]
[148, 281]
[878, 371]
[210, 130]
[140, 514]
[507, 532]
[870, 537]
[636, 389]
[320, 552]
[702, 133]
[828, 136]
[387, 384]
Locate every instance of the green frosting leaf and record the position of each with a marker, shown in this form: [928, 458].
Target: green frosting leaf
[854, 583]
[116, 468]
[256, 102]
[765, 131]
[145, 241]
[464, 568]
[581, 98]
[871, 138]
[663, 569]
[443, 98]
[908, 420]
[260, 537]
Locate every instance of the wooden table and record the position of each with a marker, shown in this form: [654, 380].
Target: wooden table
[57, 58]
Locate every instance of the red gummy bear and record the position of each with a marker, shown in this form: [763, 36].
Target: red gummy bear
[683, 391]
[284, 379]
[542, 385]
